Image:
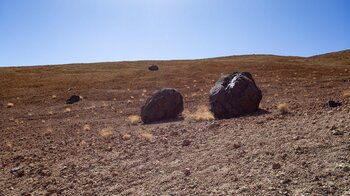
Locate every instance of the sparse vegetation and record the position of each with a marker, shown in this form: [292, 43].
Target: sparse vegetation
[106, 132]
[67, 110]
[10, 105]
[201, 114]
[87, 127]
[146, 136]
[82, 143]
[49, 130]
[134, 119]
[54, 96]
[126, 136]
[282, 108]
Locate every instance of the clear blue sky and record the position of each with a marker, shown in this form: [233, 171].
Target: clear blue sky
[37, 32]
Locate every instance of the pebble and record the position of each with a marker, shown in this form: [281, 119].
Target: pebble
[337, 132]
[276, 166]
[186, 143]
[187, 171]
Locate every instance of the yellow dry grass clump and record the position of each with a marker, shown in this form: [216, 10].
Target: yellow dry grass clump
[126, 136]
[106, 132]
[54, 96]
[134, 119]
[10, 105]
[201, 114]
[67, 110]
[87, 127]
[82, 143]
[282, 108]
[146, 136]
[49, 130]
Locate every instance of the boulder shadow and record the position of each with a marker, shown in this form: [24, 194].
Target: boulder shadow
[259, 112]
[178, 119]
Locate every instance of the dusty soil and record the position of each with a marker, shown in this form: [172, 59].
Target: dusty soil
[85, 150]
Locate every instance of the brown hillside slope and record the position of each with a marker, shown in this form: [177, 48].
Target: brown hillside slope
[90, 148]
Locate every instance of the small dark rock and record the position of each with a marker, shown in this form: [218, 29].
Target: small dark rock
[236, 145]
[333, 104]
[276, 166]
[187, 171]
[15, 169]
[337, 132]
[186, 143]
[286, 181]
[73, 99]
[153, 67]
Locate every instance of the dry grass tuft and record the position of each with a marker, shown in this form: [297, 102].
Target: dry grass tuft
[186, 114]
[201, 114]
[126, 136]
[49, 130]
[134, 119]
[67, 110]
[346, 93]
[106, 132]
[54, 96]
[87, 127]
[147, 136]
[283, 108]
[50, 112]
[82, 143]
[10, 105]
[129, 101]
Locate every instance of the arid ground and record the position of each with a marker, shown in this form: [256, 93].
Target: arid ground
[91, 148]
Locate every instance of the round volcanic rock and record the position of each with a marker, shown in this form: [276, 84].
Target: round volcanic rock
[164, 104]
[73, 99]
[234, 95]
[153, 67]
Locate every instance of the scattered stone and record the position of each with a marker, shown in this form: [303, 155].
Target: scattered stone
[164, 104]
[73, 99]
[10, 105]
[337, 132]
[344, 167]
[333, 104]
[186, 142]
[17, 171]
[187, 171]
[214, 125]
[286, 181]
[276, 166]
[153, 67]
[14, 170]
[234, 95]
[236, 145]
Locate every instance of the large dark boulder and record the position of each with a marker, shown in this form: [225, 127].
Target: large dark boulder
[164, 104]
[234, 95]
[153, 67]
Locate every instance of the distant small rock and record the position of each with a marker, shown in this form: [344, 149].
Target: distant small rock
[333, 104]
[73, 99]
[153, 67]
[15, 169]
[187, 171]
[276, 166]
[186, 143]
[337, 132]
